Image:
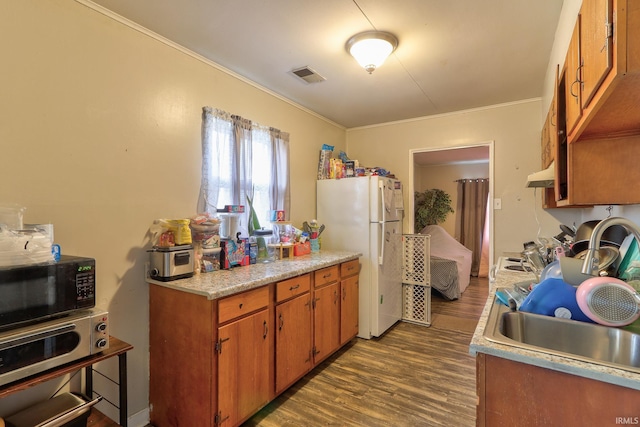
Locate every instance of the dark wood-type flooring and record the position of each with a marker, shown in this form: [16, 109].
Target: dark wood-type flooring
[411, 376]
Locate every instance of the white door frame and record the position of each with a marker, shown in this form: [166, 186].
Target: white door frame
[410, 211]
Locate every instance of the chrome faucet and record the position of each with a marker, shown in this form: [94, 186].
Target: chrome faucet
[591, 261]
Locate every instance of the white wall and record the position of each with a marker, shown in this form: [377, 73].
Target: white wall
[100, 135]
[444, 177]
[515, 131]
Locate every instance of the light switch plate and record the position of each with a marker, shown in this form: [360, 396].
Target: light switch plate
[497, 204]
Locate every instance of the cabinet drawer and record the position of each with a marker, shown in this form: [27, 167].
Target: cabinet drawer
[349, 268]
[326, 275]
[292, 287]
[243, 303]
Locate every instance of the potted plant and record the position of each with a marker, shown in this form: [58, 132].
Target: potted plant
[431, 207]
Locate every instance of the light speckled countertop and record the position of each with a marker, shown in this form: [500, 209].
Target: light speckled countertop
[218, 284]
[479, 344]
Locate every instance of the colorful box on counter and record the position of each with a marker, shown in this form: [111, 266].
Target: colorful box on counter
[234, 253]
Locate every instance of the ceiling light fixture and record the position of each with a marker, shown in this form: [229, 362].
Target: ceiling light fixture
[371, 48]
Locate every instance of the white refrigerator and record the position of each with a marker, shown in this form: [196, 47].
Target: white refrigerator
[364, 214]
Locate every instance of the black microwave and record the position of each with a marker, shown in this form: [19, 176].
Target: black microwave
[36, 292]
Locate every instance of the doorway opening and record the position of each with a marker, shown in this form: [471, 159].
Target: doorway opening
[444, 168]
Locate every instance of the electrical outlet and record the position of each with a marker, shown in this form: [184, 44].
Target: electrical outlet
[497, 204]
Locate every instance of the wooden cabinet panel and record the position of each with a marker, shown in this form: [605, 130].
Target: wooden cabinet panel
[596, 45]
[243, 303]
[610, 90]
[517, 394]
[545, 143]
[549, 137]
[292, 287]
[243, 368]
[349, 268]
[602, 169]
[326, 275]
[349, 294]
[572, 78]
[293, 341]
[181, 358]
[326, 321]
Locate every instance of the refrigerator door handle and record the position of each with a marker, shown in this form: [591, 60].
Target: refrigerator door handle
[383, 203]
[382, 239]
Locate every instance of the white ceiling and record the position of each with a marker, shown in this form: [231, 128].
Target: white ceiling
[452, 55]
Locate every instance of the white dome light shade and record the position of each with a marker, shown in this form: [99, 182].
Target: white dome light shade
[371, 48]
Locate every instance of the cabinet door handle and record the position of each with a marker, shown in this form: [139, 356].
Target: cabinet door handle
[571, 89]
[344, 294]
[326, 276]
[218, 347]
[281, 322]
[266, 330]
[335, 297]
[293, 288]
[578, 73]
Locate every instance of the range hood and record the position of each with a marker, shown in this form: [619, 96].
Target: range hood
[544, 178]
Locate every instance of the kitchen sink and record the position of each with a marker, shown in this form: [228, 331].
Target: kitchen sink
[589, 342]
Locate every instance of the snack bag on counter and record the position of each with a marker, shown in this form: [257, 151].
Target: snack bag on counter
[170, 232]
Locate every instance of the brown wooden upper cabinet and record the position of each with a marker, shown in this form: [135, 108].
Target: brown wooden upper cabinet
[596, 41]
[572, 79]
[550, 139]
[608, 69]
[598, 119]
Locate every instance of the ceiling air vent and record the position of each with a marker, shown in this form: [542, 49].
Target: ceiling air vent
[308, 75]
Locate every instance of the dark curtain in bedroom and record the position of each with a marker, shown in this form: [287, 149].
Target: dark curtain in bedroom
[473, 196]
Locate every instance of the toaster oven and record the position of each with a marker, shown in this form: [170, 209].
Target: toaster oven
[32, 349]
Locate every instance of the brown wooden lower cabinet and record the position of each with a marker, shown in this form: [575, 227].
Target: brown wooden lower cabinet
[326, 321]
[217, 362]
[517, 394]
[243, 367]
[293, 340]
[350, 297]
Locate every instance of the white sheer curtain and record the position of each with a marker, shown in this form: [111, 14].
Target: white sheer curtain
[241, 158]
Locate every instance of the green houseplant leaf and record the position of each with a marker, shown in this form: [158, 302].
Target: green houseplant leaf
[254, 223]
[431, 207]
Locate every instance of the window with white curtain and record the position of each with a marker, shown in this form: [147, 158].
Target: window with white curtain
[239, 159]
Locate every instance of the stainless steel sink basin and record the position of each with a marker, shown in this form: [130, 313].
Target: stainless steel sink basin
[613, 347]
